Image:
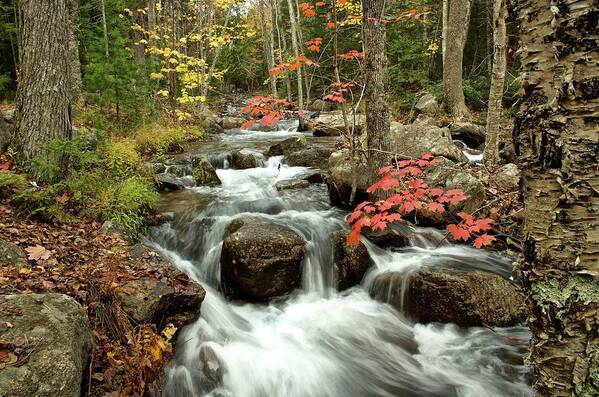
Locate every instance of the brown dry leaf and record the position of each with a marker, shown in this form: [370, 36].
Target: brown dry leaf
[8, 324]
[37, 253]
[25, 271]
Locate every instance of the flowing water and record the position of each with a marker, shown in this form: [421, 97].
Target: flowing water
[320, 342]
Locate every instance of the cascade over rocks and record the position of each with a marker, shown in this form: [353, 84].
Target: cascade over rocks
[52, 332]
[351, 262]
[159, 301]
[260, 260]
[332, 123]
[203, 172]
[444, 295]
[289, 145]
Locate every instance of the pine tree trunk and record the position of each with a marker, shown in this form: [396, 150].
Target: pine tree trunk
[377, 109]
[74, 64]
[43, 107]
[491, 153]
[458, 19]
[557, 142]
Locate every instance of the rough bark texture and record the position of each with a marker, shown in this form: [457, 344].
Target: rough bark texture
[491, 154]
[557, 142]
[43, 96]
[458, 18]
[377, 109]
[74, 64]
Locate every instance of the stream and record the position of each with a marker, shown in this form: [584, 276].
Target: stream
[317, 341]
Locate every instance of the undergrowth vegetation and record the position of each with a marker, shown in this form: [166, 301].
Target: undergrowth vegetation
[96, 176]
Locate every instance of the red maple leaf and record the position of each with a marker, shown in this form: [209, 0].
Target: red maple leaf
[435, 207]
[353, 238]
[458, 232]
[480, 225]
[248, 124]
[353, 216]
[483, 240]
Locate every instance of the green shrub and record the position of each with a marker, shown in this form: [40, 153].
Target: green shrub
[40, 203]
[154, 139]
[127, 203]
[11, 181]
[476, 91]
[122, 159]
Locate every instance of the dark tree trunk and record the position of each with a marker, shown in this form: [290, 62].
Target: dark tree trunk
[43, 107]
[557, 142]
[458, 19]
[377, 109]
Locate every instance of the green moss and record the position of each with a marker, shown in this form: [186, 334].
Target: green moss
[583, 288]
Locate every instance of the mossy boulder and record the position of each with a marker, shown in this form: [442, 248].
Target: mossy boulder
[51, 342]
[243, 159]
[203, 172]
[11, 255]
[339, 179]
[260, 260]
[436, 294]
[287, 146]
[312, 157]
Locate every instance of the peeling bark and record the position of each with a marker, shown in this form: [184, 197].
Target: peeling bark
[556, 137]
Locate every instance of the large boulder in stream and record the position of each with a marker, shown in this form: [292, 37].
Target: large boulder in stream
[203, 172]
[313, 157]
[427, 104]
[434, 294]
[287, 146]
[351, 262]
[413, 140]
[243, 159]
[165, 295]
[260, 260]
[230, 122]
[340, 177]
[332, 123]
[45, 345]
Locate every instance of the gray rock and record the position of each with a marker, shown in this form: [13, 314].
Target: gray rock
[176, 300]
[212, 125]
[11, 255]
[287, 146]
[312, 157]
[332, 123]
[230, 122]
[428, 105]
[211, 366]
[508, 177]
[351, 262]
[168, 182]
[339, 179]
[471, 134]
[55, 342]
[318, 105]
[203, 172]
[443, 295]
[260, 260]
[292, 184]
[414, 140]
[241, 160]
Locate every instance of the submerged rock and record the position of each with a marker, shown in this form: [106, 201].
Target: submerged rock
[241, 160]
[211, 366]
[11, 255]
[351, 262]
[260, 260]
[433, 294]
[287, 146]
[292, 184]
[203, 172]
[50, 343]
[159, 300]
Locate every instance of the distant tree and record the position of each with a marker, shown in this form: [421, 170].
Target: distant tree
[43, 105]
[557, 143]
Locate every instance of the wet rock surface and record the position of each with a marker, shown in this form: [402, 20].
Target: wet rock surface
[243, 159]
[312, 157]
[351, 262]
[51, 345]
[287, 146]
[434, 294]
[260, 260]
[203, 172]
[340, 178]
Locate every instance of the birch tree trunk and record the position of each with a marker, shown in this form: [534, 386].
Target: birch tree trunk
[557, 143]
[444, 29]
[377, 109]
[491, 153]
[43, 103]
[456, 29]
[282, 46]
[296, 53]
[267, 41]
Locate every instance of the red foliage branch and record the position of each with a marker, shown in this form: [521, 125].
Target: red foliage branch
[264, 110]
[410, 194]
